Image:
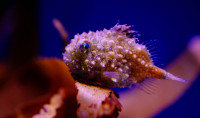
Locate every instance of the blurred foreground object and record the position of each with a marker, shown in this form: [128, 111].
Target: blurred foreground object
[33, 85]
[27, 82]
[194, 48]
[50, 110]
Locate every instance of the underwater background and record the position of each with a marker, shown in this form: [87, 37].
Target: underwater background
[170, 24]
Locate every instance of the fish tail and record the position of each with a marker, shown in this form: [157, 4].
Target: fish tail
[169, 76]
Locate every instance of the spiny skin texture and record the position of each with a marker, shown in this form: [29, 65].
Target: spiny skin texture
[110, 58]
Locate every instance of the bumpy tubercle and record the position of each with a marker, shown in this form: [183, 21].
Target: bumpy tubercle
[116, 51]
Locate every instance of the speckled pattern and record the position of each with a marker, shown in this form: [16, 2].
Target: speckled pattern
[110, 58]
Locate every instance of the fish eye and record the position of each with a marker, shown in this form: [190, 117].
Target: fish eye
[84, 47]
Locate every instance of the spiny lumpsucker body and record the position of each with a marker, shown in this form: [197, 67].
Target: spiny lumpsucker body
[111, 58]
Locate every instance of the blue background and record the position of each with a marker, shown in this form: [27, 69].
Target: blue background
[170, 23]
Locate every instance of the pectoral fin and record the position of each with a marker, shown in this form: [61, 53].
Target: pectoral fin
[109, 74]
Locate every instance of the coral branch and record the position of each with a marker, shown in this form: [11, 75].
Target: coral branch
[96, 102]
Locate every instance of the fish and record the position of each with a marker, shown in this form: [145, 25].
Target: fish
[112, 58]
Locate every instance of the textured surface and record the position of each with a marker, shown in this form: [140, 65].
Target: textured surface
[110, 58]
[96, 102]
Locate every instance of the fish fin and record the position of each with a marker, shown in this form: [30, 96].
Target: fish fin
[169, 76]
[149, 85]
[111, 74]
